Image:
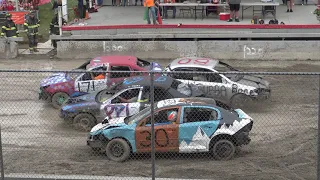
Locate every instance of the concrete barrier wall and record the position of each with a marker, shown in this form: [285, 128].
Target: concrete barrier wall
[8, 49]
[242, 50]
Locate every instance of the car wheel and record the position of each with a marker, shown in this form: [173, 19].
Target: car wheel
[58, 99]
[240, 101]
[84, 122]
[118, 150]
[223, 150]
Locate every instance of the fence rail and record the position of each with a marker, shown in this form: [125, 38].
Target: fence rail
[149, 124]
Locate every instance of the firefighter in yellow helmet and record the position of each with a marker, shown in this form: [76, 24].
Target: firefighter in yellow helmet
[9, 28]
[31, 26]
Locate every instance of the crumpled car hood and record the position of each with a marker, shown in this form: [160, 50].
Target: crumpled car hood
[254, 81]
[54, 79]
[112, 122]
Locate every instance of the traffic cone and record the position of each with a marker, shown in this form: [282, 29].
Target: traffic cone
[159, 18]
[87, 15]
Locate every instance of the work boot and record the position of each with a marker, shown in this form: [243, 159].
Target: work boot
[237, 20]
[230, 20]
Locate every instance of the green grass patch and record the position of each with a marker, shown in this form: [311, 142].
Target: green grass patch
[46, 14]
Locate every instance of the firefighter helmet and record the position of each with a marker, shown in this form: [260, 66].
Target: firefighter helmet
[8, 15]
[33, 12]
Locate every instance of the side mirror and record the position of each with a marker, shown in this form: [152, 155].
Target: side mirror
[106, 120]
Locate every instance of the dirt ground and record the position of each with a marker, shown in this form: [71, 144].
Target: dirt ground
[284, 136]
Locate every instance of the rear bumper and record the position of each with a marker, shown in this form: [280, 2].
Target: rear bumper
[43, 95]
[242, 137]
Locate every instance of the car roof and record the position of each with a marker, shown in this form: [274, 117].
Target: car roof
[116, 59]
[140, 81]
[192, 62]
[187, 101]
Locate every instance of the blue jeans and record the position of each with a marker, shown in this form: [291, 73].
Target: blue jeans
[124, 3]
[153, 13]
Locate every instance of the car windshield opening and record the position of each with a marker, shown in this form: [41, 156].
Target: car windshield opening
[143, 63]
[135, 118]
[224, 67]
[74, 74]
[103, 95]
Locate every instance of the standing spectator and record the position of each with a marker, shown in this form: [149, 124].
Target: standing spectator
[35, 4]
[166, 8]
[158, 8]
[234, 9]
[151, 8]
[31, 26]
[10, 6]
[82, 11]
[9, 28]
[284, 2]
[302, 2]
[290, 5]
[124, 2]
[4, 5]
[100, 3]
[137, 2]
[55, 7]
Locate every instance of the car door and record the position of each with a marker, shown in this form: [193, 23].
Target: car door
[166, 131]
[185, 75]
[85, 83]
[212, 85]
[116, 77]
[197, 125]
[116, 108]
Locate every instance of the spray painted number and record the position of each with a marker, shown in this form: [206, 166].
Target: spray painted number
[196, 61]
[116, 109]
[86, 87]
[161, 142]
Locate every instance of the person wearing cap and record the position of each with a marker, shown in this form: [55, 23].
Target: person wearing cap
[54, 28]
[31, 26]
[9, 28]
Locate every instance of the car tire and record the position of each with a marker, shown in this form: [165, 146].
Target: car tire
[223, 150]
[84, 122]
[118, 150]
[240, 101]
[58, 99]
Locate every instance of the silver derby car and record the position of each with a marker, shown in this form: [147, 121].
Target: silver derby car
[235, 90]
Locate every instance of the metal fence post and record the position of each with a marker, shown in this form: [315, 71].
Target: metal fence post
[152, 125]
[318, 158]
[1, 157]
[60, 19]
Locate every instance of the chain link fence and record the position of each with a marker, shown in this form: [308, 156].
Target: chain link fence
[202, 125]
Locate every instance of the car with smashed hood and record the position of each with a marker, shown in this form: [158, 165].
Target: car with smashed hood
[235, 90]
[125, 99]
[181, 125]
[60, 86]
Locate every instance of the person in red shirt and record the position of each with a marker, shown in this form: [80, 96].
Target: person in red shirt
[10, 6]
[166, 8]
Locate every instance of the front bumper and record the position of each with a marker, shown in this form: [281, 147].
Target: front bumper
[66, 116]
[242, 137]
[263, 94]
[96, 141]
